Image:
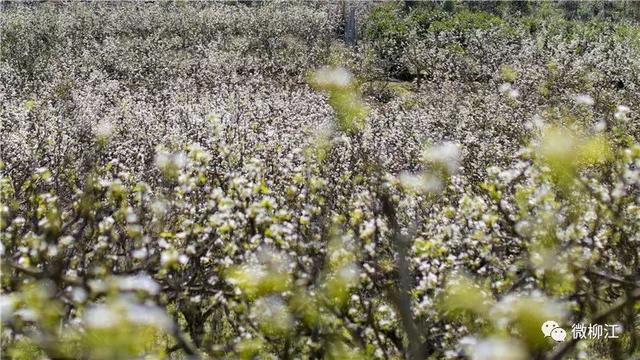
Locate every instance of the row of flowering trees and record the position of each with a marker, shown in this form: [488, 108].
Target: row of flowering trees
[259, 210]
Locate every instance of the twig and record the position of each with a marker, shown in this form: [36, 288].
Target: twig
[612, 277]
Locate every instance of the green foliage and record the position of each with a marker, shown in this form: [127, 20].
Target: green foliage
[386, 23]
[508, 74]
[465, 21]
[565, 154]
[397, 35]
[344, 98]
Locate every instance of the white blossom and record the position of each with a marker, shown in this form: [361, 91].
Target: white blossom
[584, 99]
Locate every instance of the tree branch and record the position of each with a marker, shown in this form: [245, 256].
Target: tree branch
[400, 296]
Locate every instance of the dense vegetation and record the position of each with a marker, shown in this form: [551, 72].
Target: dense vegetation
[233, 180]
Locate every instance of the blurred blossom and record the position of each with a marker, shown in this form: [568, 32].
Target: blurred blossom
[509, 90]
[349, 274]
[600, 126]
[139, 253]
[7, 305]
[272, 314]
[512, 306]
[623, 109]
[420, 183]
[148, 315]
[141, 282]
[101, 316]
[98, 285]
[159, 207]
[468, 342]
[27, 314]
[172, 257]
[558, 143]
[103, 129]
[171, 162]
[163, 159]
[180, 159]
[273, 260]
[447, 154]
[78, 294]
[338, 77]
[583, 99]
[497, 349]
[621, 112]
[504, 87]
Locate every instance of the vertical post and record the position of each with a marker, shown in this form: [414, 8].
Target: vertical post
[350, 35]
[570, 9]
[635, 10]
[408, 4]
